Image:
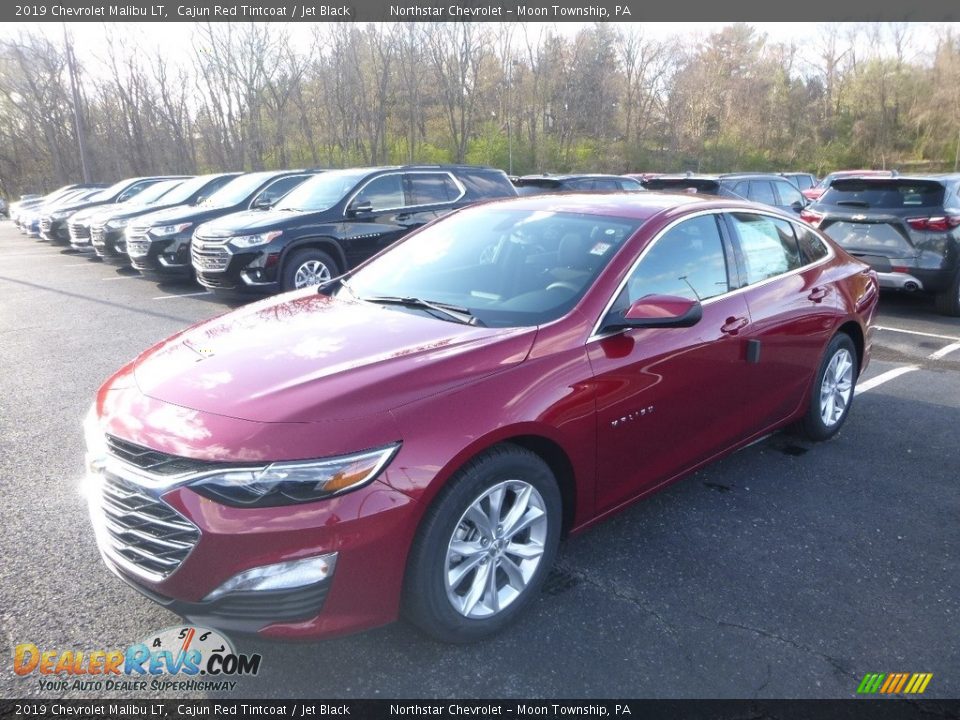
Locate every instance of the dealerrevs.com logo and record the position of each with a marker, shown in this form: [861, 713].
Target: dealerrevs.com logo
[172, 659]
[894, 683]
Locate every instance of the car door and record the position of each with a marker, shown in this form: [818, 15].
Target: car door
[376, 217]
[793, 308]
[669, 398]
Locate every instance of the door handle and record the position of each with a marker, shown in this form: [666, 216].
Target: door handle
[733, 325]
[818, 294]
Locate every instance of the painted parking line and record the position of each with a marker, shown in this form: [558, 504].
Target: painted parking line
[883, 377]
[121, 277]
[944, 351]
[167, 297]
[917, 332]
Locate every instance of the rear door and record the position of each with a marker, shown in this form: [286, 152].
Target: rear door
[793, 309]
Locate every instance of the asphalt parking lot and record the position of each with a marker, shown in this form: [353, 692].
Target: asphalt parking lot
[786, 570]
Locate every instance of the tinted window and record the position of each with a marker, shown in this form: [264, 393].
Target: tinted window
[804, 182]
[811, 246]
[383, 193]
[432, 188]
[689, 254]
[888, 194]
[768, 244]
[761, 191]
[605, 185]
[630, 185]
[788, 193]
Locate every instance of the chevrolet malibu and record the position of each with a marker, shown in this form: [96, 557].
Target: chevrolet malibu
[416, 436]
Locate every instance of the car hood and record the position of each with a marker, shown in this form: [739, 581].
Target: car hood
[124, 212]
[250, 222]
[87, 215]
[305, 357]
[183, 213]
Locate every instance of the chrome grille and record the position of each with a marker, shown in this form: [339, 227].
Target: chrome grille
[138, 244]
[142, 534]
[209, 257]
[79, 232]
[156, 462]
[98, 235]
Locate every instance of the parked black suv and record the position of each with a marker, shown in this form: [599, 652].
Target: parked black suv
[54, 227]
[763, 188]
[159, 243]
[332, 222]
[108, 232]
[541, 184]
[907, 229]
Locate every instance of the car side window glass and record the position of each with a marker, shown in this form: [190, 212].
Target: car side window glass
[788, 193]
[811, 246]
[605, 185]
[768, 244]
[741, 189]
[687, 261]
[630, 186]
[432, 189]
[131, 191]
[383, 193]
[761, 191]
[579, 185]
[217, 184]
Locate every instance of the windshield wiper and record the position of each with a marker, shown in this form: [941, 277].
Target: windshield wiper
[453, 312]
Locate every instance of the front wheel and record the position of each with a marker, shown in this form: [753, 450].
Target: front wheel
[832, 391]
[485, 546]
[308, 267]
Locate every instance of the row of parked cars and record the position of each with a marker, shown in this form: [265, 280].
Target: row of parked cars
[282, 230]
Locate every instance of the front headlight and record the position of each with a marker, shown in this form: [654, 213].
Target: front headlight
[285, 483]
[95, 440]
[248, 241]
[117, 223]
[61, 215]
[168, 230]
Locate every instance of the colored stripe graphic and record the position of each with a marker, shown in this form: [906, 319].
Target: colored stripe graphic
[894, 683]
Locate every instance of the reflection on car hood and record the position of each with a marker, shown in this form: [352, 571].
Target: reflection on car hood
[249, 222]
[304, 357]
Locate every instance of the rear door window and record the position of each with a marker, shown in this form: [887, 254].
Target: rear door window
[432, 189]
[768, 245]
[761, 191]
[812, 248]
[788, 193]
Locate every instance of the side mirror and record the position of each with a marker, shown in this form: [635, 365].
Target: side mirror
[200, 200]
[798, 205]
[262, 203]
[360, 208]
[656, 311]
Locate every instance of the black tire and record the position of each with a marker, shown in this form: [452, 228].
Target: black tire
[298, 259]
[426, 600]
[948, 302]
[813, 424]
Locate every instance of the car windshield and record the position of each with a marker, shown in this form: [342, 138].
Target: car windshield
[323, 191]
[504, 267]
[111, 191]
[154, 192]
[185, 189]
[238, 190]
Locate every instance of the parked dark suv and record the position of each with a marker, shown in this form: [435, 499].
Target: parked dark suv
[159, 243]
[107, 232]
[540, 184]
[332, 222]
[764, 188]
[906, 228]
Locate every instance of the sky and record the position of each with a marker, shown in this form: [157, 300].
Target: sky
[175, 38]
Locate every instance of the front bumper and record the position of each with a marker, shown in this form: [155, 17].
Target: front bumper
[370, 531]
[166, 256]
[109, 244]
[55, 231]
[220, 267]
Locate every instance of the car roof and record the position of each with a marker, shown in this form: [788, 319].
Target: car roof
[638, 206]
[571, 176]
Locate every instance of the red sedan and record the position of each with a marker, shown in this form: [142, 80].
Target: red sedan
[418, 435]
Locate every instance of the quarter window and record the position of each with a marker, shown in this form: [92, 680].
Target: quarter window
[811, 246]
[768, 244]
[761, 191]
[788, 193]
[687, 261]
[432, 189]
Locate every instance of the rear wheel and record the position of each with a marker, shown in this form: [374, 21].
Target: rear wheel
[832, 391]
[485, 546]
[948, 302]
[308, 267]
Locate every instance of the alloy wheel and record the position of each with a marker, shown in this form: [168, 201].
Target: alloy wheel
[312, 272]
[495, 549]
[836, 387]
